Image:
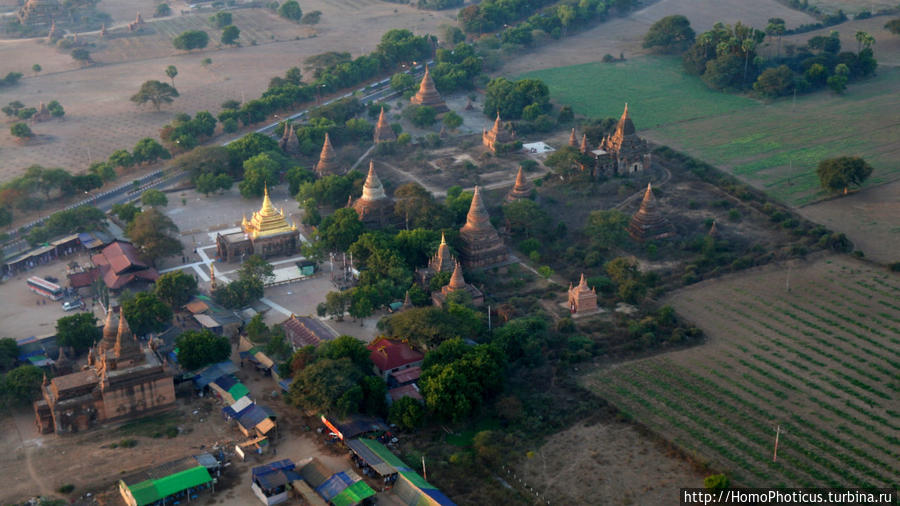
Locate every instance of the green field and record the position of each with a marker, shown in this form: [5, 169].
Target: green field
[775, 147]
[658, 92]
[819, 361]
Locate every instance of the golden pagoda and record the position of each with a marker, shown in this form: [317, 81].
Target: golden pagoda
[267, 233]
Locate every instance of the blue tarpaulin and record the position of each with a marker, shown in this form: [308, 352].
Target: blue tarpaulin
[285, 384]
[334, 485]
[286, 464]
[226, 382]
[213, 372]
[251, 417]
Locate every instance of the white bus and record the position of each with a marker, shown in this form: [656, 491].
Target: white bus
[43, 287]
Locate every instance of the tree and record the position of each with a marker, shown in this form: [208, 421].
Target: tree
[230, 34]
[421, 116]
[328, 386]
[56, 109]
[52, 179]
[24, 382]
[148, 150]
[335, 305]
[257, 330]
[510, 98]
[171, 71]
[238, 294]
[9, 353]
[346, 347]
[258, 172]
[864, 40]
[36, 67]
[153, 197]
[154, 235]
[776, 28]
[162, 10]
[79, 331]
[838, 81]
[402, 82]
[671, 34]
[838, 174]
[209, 183]
[221, 19]
[775, 82]
[81, 55]
[199, 348]
[146, 313]
[893, 26]
[155, 92]
[526, 219]
[175, 288]
[121, 158]
[407, 413]
[290, 10]
[452, 120]
[256, 268]
[341, 229]
[125, 212]
[21, 131]
[86, 182]
[417, 206]
[191, 39]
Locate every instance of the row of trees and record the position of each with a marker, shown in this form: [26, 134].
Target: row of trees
[17, 109]
[38, 185]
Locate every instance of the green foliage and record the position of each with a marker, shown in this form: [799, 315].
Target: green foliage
[339, 230]
[457, 388]
[238, 294]
[249, 146]
[775, 82]
[511, 98]
[153, 233]
[403, 82]
[175, 288]
[9, 353]
[23, 383]
[81, 55]
[155, 92]
[452, 120]
[607, 229]
[259, 170]
[10, 79]
[78, 331]
[79, 219]
[428, 327]
[191, 39]
[671, 34]
[55, 109]
[162, 10]
[407, 413]
[421, 116]
[149, 151]
[838, 174]
[290, 10]
[327, 386]
[146, 313]
[121, 158]
[724, 57]
[256, 329]
[21, 131]
[623, 271]
[220, 19]
[893, 26]
[256, 268]
[199, 348]
[715, 482]
[311, 18]
[526, 218]
[154, 198]
[230, 34]
[125, 212]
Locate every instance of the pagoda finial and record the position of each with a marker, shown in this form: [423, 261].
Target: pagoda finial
[496, 127]
[625, 113]
[520, 178]
[584, 144]
[572, 140]
[443, 239]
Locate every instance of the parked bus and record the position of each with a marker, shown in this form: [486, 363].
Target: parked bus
[43, 287]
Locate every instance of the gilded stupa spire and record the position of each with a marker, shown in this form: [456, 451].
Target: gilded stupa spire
[267, 221]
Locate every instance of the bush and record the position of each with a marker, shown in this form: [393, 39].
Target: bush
[65, 489]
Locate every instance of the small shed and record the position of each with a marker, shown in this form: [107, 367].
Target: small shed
[355, 426]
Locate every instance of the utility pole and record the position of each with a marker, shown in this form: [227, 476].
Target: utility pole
[775, 453]
[424, 473]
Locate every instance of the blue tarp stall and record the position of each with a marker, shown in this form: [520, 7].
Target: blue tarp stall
[334, 485]
[285, 384]
[213, 372]
[238, 408]
[254, 414]
[91, 240]
[207, 460]
[279, 465]
[226, 382]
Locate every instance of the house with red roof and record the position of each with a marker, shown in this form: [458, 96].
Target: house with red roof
[120, 264]
[393, 357]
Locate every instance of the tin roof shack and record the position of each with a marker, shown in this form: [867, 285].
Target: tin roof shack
[375, 458]
[270, 482]
[344, 488]
[303, 331]
[354, 426]
[256, 421]
[166, 484]
[390, 356]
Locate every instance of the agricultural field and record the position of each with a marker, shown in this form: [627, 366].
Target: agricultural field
[776, 147]
[656, 88]
[852, 6]
[812, 348]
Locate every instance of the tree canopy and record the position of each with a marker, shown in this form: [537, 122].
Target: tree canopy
[146, 313]
[191, 39]
[23, 383]
[155, 92]
[199, 348]
[79, 331]
[511, 98]
[175, 288]
[154, 198]
[153, 233]
[671, 34]
[9, 353]
[838, 174]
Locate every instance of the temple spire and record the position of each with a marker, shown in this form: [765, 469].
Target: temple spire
[584, 148]
[572, 141]
[109, 329]
[327, 159]
[428, 94]
[383, 131]
[477, 217]
[522, 188]
[457, 282]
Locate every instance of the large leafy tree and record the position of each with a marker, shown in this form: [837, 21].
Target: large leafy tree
[671, 34]
[146, 313]
[199, 348]
[407, 413]
[259, 170]
[9, 353]
[290, 10]
[149, 151]
[456, 388]
[256, 268]
[346, 347]
[838, 174]
[230, 34]
[607, 229]
[23, 383]
[155, 92]
[175, 288]
[527, 219]
[328, 385]
[154, 198]
[191, 39]
[341, 229]
[154, 235]
[510, 98]
[79, 331]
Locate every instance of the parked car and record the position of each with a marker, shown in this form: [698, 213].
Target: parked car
[72, 305]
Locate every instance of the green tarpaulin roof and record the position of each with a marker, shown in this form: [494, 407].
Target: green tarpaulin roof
[353, 494]
[144, 492]
[384, 454]
[417, 480]
[150, 491]
[238, 391]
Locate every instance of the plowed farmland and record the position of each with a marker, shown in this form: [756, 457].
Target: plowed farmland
[812, 348]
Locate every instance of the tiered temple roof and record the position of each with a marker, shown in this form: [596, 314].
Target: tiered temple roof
[383, 131]
[428, 94]
[374, 207]
[267, 221]
[457, 284]
[289, 142]
[109, 330]
[327, 159]
[127, 346]
[522, 189]
[481, 243]
[630, 151]
[648, 222]
[497, 135]
[443, 260]
[582, 299]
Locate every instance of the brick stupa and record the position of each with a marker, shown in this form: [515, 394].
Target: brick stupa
[572, 140]
[582, 299]
[457, 284]
[497, 135]
[327, 160]
[481, 245]
[648, 222]
[521, 190]
[374, 207]
[383, 131]
[428, 94]
[289, 142]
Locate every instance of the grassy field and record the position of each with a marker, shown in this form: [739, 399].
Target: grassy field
[657, 90]
[819, 360]
[776, 147]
